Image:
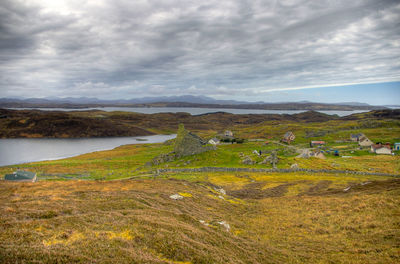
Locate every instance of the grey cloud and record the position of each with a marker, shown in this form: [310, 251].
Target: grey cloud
[218, 47]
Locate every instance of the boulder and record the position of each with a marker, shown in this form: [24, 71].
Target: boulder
[176, 197]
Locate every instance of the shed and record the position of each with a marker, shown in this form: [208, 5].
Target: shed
[356, 137]
[317, 143]
[25, 176]
[228, 133]
[214, 141]
[396, 146]
[288, 137]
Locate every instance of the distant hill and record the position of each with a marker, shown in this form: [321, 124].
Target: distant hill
[177, 101]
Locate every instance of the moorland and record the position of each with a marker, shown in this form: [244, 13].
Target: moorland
[119, 206]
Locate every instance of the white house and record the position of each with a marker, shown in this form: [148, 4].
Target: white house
[381, 149]
[365, 142]
[228, 133]
[214, 141]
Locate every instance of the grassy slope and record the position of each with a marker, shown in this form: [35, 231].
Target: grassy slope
[135, 222]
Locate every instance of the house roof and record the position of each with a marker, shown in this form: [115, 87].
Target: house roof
[318, 142]
[20, 175]
[379, 146]
[363, 138]
[288, 134]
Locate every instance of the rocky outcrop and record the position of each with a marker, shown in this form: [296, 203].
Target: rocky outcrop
[187, 143]
[247, 161]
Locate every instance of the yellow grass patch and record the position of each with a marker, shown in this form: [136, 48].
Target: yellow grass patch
[64, 239]
[185, 194]
[125, 235]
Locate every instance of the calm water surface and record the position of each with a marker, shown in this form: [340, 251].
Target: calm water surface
[195, 111]
[22, 150]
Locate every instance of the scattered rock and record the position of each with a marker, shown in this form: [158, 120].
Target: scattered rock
[247, 160]
[204, 222]
[346, 189]
[365, 183]
[176, 197]
[225, 224]
[294, 166]
[220, 190]
[308, 154]
[163, 158]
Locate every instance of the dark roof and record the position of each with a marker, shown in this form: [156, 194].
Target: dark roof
[20, 176]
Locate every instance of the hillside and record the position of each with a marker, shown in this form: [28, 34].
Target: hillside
[179, 101]
[298, 219]
[35, 123]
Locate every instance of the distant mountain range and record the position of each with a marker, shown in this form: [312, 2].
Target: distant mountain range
[176, 101]
[143, 100]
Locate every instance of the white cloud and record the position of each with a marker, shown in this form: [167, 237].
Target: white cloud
[218, 48]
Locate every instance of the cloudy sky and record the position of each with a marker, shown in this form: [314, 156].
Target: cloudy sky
[249, 50]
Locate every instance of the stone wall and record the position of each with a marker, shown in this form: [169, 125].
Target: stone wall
[226, 169]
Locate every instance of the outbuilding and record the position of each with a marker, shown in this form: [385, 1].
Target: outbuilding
[21, 176]
[288, 137]
[396, 146]
[214, 141]
[317, 143]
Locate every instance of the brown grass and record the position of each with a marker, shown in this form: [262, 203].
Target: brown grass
[135, 221]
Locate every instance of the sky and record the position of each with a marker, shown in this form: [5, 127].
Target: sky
[272, 51]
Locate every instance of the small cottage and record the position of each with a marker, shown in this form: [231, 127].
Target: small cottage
[396, 146]
[288, 137]
[381, 149]
[356, 137]
[228, 133]
[214, 141]
[317, 143]
[365, 142]
[21, 176]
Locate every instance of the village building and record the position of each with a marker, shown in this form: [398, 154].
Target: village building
[381, 149]
[396, 146]
[214, 141]
[288, 137]
[21, 176]
[228, 133]
[356, 137]
[364, 142]
[317, 143]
